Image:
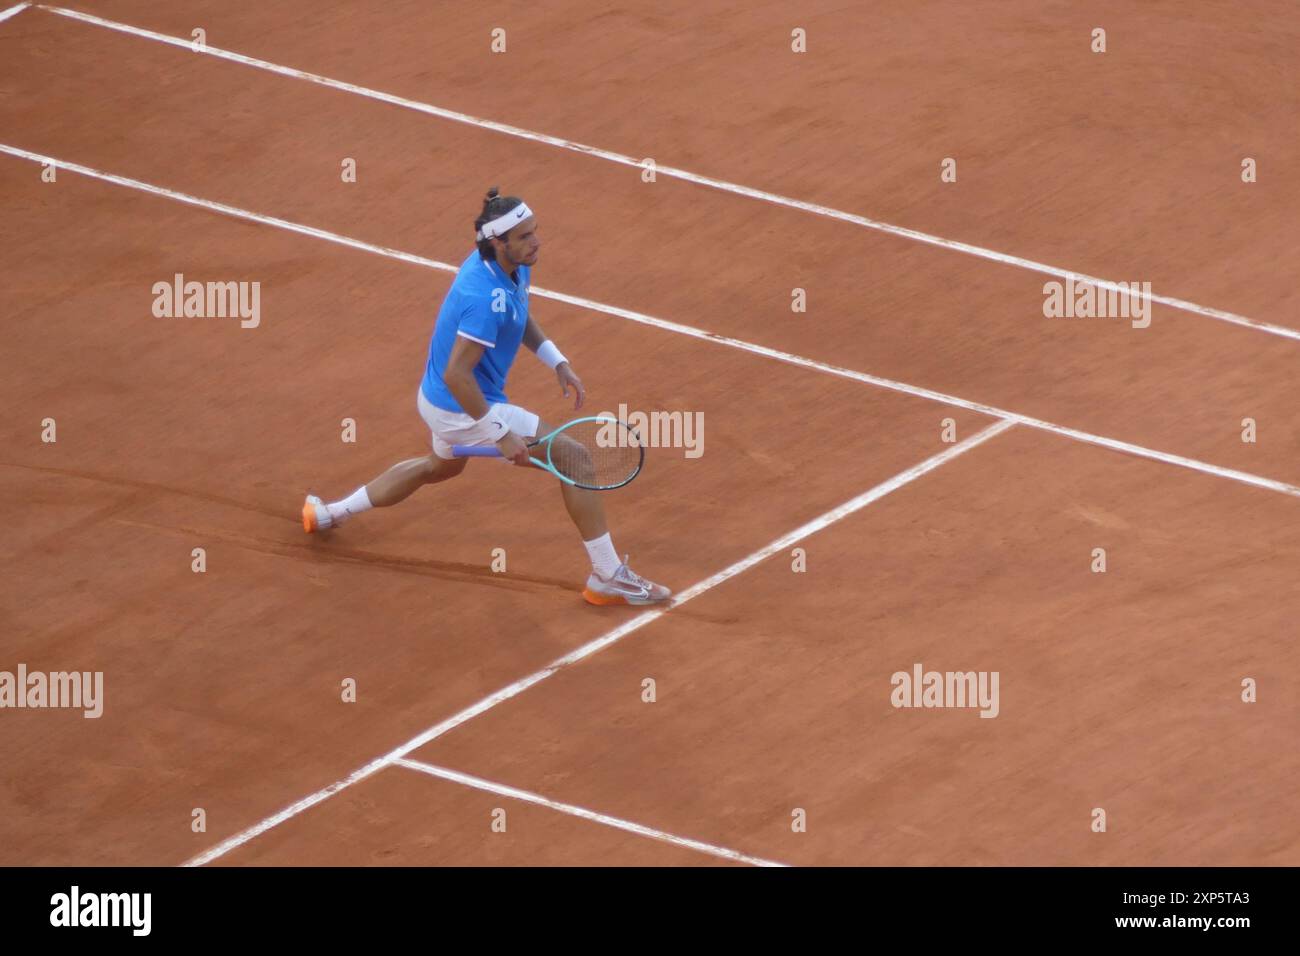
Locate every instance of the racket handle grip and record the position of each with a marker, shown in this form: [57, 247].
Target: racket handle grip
[475, 451]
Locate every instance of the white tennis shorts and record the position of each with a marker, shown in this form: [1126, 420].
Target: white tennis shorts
[450, 428]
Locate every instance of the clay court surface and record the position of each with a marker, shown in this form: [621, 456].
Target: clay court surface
[1120, 690]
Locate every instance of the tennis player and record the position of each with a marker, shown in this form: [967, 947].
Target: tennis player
[462, 398]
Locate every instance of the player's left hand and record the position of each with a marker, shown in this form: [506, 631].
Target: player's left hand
[564, 372]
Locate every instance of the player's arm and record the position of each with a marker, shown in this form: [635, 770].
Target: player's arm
[459, 377]
[460, 381]
[533, 335]
[537, 342]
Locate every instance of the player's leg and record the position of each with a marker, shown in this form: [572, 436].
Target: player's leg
[586, 507]
[400, 481]
[586, 510]
[406, 477]
[611, 580]
[396, 484]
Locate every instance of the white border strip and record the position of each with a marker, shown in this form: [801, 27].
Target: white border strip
[673, 172]
[13, 11]
[528, 797]
[599, 644]
[798, 360]
[225, 210]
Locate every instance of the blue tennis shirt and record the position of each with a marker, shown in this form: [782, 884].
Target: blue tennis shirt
[486, 306]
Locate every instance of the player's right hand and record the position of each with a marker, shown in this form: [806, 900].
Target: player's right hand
[514, 448]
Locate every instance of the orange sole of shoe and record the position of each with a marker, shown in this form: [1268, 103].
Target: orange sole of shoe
[602, 600]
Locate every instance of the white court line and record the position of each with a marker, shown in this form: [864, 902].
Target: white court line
[502, 790]
[787, 357]
[13, 11]
[602, 642]
[675, 173]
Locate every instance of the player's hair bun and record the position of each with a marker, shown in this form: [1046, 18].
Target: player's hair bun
[493, 193]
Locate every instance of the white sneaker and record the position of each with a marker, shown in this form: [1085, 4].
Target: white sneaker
[315, 516]
[624, 587]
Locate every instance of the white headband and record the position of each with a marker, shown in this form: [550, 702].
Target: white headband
[504, 223]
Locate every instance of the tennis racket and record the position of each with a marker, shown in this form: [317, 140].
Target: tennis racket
[599, 453]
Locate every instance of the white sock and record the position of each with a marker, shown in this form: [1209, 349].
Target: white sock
[604, 559]
[353, 504]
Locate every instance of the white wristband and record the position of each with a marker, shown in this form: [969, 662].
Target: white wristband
[549, 354]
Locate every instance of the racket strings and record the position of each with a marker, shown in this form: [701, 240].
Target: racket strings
[597, 454]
